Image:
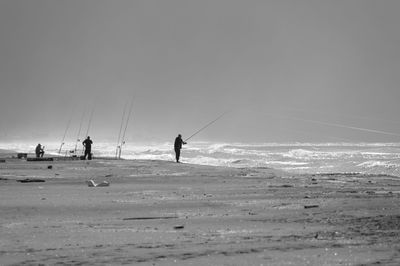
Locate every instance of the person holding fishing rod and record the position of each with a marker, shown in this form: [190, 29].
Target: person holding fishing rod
[179, 142]
[178, 146]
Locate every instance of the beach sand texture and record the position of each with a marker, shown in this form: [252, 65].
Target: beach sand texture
[164, 213]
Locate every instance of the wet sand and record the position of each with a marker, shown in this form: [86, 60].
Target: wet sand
[164, 213]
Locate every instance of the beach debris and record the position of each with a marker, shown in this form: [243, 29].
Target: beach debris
[284, 185]
[91, 183]
[310, 206]
[29, 180]
[22, 155]
[180, 226]
[3, 178]
[49, 167]
[150, 218]
[39, 159]
[2, 160]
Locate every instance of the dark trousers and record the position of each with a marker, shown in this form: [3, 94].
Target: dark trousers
[177, 154]
[88, 153]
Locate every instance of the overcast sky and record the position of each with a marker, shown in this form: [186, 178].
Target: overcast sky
[298, 70]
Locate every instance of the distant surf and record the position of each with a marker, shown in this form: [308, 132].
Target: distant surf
[316, 158]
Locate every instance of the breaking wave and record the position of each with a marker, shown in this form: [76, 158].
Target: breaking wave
[369, 158]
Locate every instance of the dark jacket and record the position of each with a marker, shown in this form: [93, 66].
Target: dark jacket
[178, 143]
[38, 149]
[87, 143]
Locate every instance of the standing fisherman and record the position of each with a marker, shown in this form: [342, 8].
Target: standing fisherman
[87, 143]
[178, 146]
[179, 142]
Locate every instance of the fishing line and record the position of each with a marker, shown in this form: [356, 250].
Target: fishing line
[341, 126]
[351, 127]
[308, 133]
[342, 115]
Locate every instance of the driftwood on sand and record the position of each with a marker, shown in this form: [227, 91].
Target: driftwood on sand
[30, 180]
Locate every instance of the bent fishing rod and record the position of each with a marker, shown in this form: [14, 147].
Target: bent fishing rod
[65, 133]
[120, 130]
[79, 132]
[206, 126]
[90, 121]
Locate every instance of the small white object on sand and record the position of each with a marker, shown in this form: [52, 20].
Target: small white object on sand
[91, 183]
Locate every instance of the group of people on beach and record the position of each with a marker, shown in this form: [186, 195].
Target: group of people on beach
[87, 143]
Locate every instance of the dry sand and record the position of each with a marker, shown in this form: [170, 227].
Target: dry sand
[164, 213]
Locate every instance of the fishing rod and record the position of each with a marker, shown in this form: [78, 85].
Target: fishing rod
[90, 121]
[204, 127]
[89, 124]
[120, 130]
[65, 133]
[79, 131]
[126, 126]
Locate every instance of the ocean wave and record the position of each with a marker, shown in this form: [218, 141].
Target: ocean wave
[294, 157]
[163, 157]
[287, 163]
[204, 160]
[374, 164]
[296, 169]
[306, 154]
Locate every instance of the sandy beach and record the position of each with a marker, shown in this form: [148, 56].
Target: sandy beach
[164, 213]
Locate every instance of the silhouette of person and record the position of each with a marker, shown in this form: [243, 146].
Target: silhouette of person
[178, 146]
[39, 151]
[88, 148]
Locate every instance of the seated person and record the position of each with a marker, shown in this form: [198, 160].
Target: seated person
[39, 151]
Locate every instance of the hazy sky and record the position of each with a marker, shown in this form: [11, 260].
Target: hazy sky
[296, 70]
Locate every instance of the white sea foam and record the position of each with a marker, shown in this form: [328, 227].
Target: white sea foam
[374, 164]
[381, 158]
[287, 163]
